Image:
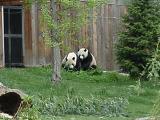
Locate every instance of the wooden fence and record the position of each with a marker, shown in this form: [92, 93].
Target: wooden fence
[102, 33]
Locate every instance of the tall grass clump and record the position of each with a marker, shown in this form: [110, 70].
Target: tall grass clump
[152, 70]
[76, 105]
[73, 104]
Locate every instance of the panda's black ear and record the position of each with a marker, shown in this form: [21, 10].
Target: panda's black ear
[66, 59]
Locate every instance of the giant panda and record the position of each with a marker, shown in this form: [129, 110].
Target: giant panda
[87, 60]
[71, 62]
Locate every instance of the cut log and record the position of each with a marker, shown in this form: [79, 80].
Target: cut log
[11, 101]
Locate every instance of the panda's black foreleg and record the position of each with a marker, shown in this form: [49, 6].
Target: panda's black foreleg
[93, 67]
[85, 67]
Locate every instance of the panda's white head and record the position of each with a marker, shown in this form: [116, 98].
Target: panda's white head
[82, 53]
[70, 60]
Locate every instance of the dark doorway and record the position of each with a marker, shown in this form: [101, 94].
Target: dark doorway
[13, 36]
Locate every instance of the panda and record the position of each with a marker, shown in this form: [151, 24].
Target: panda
[87, 60]
[71, 62]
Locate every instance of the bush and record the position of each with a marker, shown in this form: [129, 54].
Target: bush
[138, 41]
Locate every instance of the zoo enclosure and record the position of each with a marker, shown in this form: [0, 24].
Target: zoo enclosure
[102, 33]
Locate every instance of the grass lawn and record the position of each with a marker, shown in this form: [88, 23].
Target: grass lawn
[37, 82]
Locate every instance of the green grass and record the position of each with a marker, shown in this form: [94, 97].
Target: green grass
[37, 82]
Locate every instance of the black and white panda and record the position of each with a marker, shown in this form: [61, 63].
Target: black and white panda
[71, 62]
[87, 60]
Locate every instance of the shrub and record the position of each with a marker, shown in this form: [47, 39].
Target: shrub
[138, 40]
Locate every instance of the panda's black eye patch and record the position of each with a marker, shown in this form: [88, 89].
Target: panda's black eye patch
[73, 58]
[85, 50]
[66, 59]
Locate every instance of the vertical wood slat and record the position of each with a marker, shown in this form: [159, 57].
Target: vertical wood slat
[1, 40]
[34, 32]
[27, 37]
[94, 36]
[98, 39]
[108, 42]
[104, 21]
[115, 35]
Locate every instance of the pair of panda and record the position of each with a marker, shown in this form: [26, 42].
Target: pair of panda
[83, 59]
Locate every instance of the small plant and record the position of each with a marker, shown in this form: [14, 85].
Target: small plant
[138, 88]
[29, 114]
[153, 70]
[153, 66]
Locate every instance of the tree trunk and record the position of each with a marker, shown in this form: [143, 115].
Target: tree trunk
[56, 65]
[56, 59]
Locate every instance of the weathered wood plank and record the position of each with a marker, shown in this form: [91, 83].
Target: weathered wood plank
[1, 40]
[34, 24]
[27, 37]
[110, 38]
[94, 36]
[98, 39]
[115, 34]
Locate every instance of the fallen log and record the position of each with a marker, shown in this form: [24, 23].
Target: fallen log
[11, 101]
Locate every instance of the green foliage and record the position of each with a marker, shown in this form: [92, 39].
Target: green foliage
[65, 19]
[138, 88]
[138, 41]
[152, 70]
[29, 114]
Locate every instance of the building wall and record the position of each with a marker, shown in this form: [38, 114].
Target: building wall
[35, 53]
